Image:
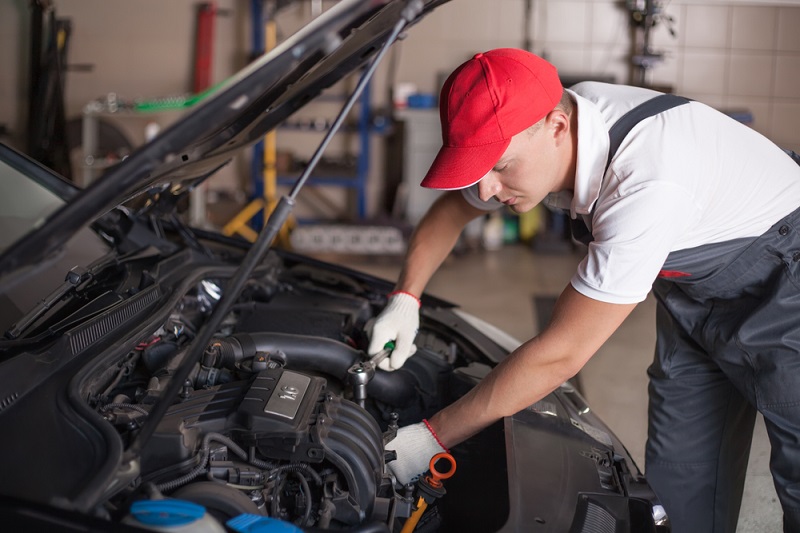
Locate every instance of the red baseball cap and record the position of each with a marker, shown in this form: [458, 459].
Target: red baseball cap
[484, 102]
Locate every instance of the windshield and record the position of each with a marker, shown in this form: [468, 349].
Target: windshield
[29, 195]
[25, 202]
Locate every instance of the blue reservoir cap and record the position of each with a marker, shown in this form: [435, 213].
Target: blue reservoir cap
[166, 512]
[253, 523]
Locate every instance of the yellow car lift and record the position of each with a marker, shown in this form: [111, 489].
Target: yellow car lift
[239, 223]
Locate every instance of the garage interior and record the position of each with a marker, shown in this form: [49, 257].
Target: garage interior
[86, 83]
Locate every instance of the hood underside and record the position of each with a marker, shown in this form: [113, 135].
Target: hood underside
[246, 107]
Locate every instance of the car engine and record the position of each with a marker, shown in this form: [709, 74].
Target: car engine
[278, 418]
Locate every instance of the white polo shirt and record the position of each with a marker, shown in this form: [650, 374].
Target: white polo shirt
[686, 177]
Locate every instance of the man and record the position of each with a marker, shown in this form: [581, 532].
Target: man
[693, 205]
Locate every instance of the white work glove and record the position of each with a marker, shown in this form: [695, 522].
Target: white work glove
[398, 322]
[415, 445]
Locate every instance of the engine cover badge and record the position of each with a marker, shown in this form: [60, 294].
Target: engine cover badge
[289, 392]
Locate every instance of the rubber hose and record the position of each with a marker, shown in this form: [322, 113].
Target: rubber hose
[327, 356]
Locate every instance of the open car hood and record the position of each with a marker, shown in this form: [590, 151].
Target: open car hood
[246, 107]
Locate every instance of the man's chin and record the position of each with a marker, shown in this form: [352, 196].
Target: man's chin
[521, 208]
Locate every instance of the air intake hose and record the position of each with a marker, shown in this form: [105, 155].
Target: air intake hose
[320, 354]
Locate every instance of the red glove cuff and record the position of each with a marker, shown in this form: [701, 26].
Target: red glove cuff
[435, 436]
[419, 303]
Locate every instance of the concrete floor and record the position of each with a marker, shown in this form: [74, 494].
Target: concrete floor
[500, 286]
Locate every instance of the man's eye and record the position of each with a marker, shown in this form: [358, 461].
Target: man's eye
[500, 168]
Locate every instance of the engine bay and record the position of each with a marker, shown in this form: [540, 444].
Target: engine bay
[284, 416]
[273, 409]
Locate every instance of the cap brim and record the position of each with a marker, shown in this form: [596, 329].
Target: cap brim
[459, 168]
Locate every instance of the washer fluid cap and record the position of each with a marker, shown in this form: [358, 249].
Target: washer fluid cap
[166, 512]
[253, 523]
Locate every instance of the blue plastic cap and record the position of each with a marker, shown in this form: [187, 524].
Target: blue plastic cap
[166, 512]
[253, 523]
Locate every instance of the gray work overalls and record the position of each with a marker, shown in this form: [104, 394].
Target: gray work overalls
[728, 344]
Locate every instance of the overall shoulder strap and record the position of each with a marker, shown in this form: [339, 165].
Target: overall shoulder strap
[617, 133]
[794, 155]
[626, 122]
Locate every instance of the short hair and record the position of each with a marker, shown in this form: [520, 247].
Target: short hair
[566, 104]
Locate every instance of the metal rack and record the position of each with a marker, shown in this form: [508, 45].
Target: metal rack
[357, 181]
[263, 171]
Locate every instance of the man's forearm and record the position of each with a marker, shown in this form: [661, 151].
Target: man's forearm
[578, 328]
[517, 382]
[433, 239]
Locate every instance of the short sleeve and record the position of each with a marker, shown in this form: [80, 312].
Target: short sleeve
[633, 235]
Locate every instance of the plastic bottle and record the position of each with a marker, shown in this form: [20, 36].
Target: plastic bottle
[493, 230]
[151, 130]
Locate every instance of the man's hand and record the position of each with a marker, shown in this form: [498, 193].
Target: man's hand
[398, 322]
[415, 445]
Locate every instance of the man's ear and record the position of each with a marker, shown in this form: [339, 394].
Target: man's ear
[558, 122]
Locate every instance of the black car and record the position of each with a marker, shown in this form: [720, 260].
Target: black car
[149, 369]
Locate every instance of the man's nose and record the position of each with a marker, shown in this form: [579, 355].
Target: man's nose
[488, 187]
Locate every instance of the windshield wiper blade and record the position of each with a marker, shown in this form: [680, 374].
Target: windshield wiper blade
[76, 277]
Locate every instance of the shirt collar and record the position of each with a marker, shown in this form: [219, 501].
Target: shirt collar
[593, 145]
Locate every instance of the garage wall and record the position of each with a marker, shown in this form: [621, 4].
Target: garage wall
[140, 49]
[732, 55]
[136, 50]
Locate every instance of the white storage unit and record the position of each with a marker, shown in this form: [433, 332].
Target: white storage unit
[421, 142]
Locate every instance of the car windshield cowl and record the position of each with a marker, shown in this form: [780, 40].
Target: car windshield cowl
[94, 288]
[74, 280]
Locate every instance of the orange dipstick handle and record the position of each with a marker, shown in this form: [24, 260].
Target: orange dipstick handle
[435, 478]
